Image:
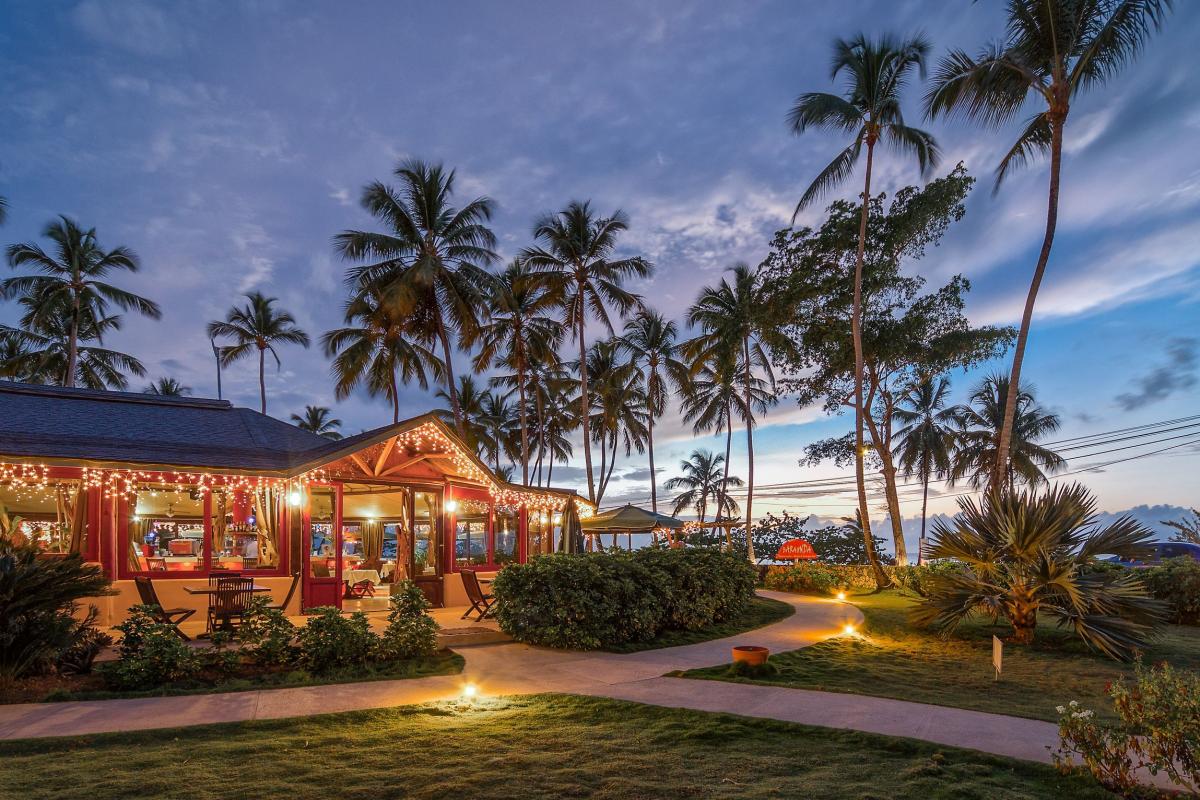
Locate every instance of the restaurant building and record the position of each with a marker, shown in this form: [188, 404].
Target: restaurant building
[183, 489]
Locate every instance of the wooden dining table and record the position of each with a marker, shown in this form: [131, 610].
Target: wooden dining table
[213, 589]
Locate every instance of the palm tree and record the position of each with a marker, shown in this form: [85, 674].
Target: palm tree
[1052, 51]
[317, 419]
[870, 110]
[41, 354]
[702, 481]
[496, 416]
[555, 415]
[650, 341]
[1022, 554]
[978, 437]
[71, 285]
[517, 332]
[3, 210]
[376, 347]
[167, 387]
[618, 406]
[732, 322]
[433, 256]
[472, 399]
[257, 326]
[576, 255]
[926, 439]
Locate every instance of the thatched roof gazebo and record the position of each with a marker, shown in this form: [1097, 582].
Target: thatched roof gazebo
[628, 519]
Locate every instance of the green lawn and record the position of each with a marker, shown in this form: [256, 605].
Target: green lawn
[444, 662]
[528, 747]
[891, 659]
[761, 611]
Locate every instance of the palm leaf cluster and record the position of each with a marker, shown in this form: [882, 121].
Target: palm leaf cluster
[1027, 555]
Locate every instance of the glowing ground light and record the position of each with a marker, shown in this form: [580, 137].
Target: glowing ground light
[841, 595]
[848, 629]
[470, 691]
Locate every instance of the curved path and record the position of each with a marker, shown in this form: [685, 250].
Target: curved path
[521, 669]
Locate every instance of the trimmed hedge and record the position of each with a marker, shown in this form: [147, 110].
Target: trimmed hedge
[1177, 583]
[586, 601]
[813, 577]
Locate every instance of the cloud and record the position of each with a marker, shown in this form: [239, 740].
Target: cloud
[131, 25]
[1158, 384]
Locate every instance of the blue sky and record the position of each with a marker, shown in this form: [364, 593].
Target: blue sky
[227, 143]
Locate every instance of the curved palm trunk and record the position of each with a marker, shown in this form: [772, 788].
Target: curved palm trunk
[883, 447]
[653, 480]
[725, 474]
[395, 400]
[72, 344]
[749, 455]
[524, 422]
[881, 578]
[583, 403]
[451, 389]
[924, 508]
[262, 378]
[1014, 378]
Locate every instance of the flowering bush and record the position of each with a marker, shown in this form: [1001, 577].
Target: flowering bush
[1158, 730]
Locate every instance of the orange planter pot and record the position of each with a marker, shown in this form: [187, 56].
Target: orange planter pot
[751, 654]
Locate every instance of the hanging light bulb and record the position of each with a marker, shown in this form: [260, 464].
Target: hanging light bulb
[451, 506]
[294, 497]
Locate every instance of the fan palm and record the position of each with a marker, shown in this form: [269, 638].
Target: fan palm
[518, 331]
[876, 72]
[926, 438]
[317, 419]
[1023, 554]
[257, 326]
[978, 437]
[702, 481]
[433, 256]
[1052, 51]
[575, 253]
[732, 321]
[71, 284]
[653, 349]
[376, 347]
[167, 387]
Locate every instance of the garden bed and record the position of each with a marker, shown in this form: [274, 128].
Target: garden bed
[761, 611]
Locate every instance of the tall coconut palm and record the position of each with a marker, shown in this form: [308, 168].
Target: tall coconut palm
[317, 419]
[518, 331]
[432, 256]
[703, 482]
[978, 437]
[167, 387]
[618, 407]
[876, 72]
[258, 325]
[926, 438]
[1052, 51]
[732, 321]
[70, 283]
[653, 349]
[378, 348]
[496, 417]
[471, 397]
[555, 415]
[575, 252]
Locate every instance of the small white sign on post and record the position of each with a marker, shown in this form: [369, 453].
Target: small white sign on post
[997, 656]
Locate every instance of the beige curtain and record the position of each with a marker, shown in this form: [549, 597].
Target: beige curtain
[372, 544]
[267, 503]
[220, 506]
[78, 516]
[133, 550]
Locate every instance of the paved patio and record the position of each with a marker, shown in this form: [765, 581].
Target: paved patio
[503, 669]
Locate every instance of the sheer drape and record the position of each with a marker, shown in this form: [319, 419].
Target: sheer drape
[267, 506]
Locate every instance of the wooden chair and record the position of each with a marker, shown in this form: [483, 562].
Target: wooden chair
[481, 602]
[167, 616]
[156, 564]
[358, 591]
[290, 594]
[229, 603]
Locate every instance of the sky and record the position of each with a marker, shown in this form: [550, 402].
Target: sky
[227, 143]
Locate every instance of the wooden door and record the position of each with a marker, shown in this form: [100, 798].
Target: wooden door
[322, 547]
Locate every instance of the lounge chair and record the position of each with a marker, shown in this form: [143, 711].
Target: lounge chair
[481, 602]
[167, 616]
[358, 591]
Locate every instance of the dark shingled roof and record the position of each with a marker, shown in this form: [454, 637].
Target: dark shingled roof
[54, 423]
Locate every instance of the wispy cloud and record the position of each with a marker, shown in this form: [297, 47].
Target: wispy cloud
[1177, 374]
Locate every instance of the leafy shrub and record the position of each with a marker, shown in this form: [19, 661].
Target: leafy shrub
[410, 633]
[80, 657]
[151, 654]
[811, 578]
[1158, 730]
[591, 600]
[268, 635]
[331, 641]
[38, 607]
[744, 669]
[1177, 583]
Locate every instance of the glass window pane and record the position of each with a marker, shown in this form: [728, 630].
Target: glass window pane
[166, 529]
[425, 533]
[322, 560]
[470, 536]
[52, 515]
[505, 528]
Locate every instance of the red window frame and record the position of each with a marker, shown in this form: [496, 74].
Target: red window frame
[450, 519]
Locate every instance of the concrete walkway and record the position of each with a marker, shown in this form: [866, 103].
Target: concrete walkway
[519, 669]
